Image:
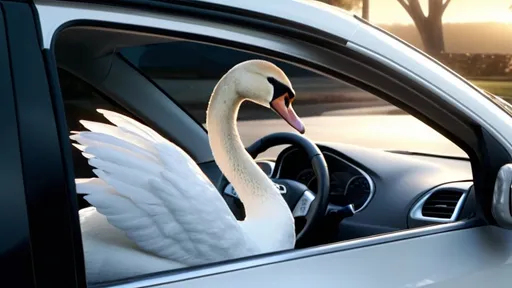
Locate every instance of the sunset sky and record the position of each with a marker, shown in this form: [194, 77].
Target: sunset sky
[390, 11]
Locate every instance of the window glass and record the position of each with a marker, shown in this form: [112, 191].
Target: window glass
[333, 111]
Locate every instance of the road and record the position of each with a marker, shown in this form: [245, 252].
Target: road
[375, 127]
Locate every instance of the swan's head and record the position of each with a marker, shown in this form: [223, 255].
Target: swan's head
[266, 84]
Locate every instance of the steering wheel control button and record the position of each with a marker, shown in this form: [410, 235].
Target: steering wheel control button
[302, 207]
[281, 188]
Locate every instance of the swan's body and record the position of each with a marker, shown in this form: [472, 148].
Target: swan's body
[155, 210]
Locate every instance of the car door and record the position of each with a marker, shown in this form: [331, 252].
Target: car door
[444, 255]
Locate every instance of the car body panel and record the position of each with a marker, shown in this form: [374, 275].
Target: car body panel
[442, 260]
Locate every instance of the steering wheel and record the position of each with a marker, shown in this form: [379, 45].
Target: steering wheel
[302, 202]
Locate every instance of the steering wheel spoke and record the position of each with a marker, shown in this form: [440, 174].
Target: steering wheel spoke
[304, 204]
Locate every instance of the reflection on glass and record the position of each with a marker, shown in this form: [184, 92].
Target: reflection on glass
[332, 110]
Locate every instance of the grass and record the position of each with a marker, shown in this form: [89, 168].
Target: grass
[498, 88]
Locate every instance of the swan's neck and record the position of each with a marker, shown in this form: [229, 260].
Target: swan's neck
[255, 189]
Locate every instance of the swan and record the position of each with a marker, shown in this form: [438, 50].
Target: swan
[153, 209]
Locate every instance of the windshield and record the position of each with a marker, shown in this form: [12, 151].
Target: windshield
[332, 110]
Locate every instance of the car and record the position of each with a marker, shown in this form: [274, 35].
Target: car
[399, 214]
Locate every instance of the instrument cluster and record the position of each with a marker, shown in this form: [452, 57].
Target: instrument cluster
[345, 187]
[349, 184]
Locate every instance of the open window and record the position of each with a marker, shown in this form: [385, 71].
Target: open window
[354, 109]
[165, 83]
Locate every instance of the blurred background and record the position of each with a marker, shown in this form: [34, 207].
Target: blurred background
[472, 37]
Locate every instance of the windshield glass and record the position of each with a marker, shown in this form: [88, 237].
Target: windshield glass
[332, 110]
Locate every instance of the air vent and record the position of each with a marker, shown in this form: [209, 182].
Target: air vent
[441, 204]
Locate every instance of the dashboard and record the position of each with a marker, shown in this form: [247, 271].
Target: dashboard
[348, 183]
[391, 191]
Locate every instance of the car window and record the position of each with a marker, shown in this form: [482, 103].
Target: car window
[332, 110]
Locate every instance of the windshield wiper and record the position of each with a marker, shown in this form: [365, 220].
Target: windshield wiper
[427, 154]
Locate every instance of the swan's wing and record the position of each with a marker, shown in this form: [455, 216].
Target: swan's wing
[153, 191]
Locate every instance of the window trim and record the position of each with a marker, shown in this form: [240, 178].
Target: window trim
[309, 252]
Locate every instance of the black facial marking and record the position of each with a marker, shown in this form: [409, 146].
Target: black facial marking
[280, 89]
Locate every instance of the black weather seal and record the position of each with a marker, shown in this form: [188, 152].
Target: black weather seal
[67, 162]
[423, 154]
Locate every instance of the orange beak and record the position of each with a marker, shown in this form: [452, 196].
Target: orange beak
[283, 106]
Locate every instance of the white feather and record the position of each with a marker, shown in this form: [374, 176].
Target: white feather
[154, 209]
[153, 191]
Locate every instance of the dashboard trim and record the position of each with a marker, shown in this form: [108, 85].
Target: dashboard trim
[363, 173]
[463, 186]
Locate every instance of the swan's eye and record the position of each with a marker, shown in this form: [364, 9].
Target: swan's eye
[281, 89]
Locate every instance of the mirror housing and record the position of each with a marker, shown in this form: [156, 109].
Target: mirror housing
[502, 200]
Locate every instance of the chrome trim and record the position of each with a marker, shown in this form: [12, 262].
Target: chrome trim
[370, 180]
[350, 182]
[302, 207]
[183, 274]
[281, 188]
[230, 190]
[463, 187]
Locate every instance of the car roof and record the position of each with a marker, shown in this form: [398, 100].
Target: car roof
[308, 12]
[311, 16]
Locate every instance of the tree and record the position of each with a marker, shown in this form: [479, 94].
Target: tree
[430, 27]
[351, 5]
[366, 9]
[345, 4]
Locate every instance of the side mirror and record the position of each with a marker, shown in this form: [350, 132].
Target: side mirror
[502, 200]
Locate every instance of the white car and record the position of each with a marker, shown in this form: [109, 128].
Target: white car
[405, 218]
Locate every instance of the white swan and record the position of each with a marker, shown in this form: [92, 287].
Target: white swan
[153, 209]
